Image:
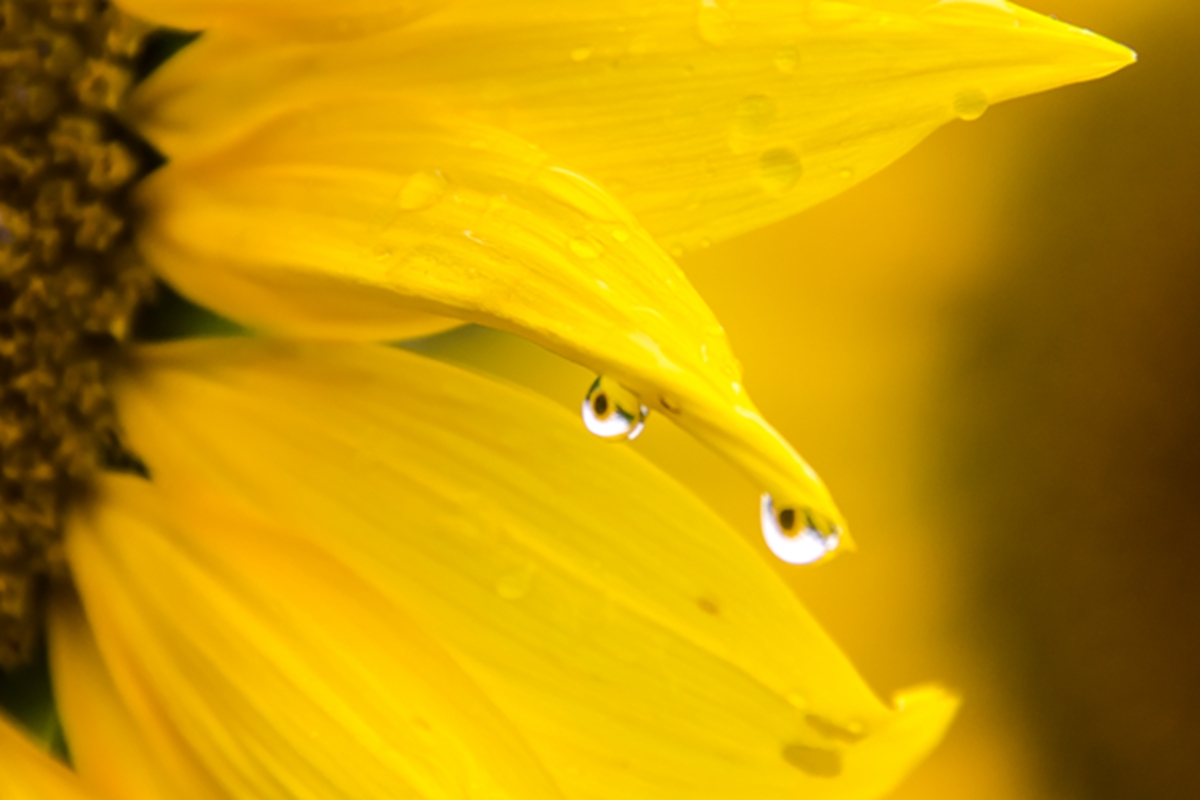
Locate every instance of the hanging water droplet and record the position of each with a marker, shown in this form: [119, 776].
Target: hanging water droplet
[970, 104]
[423, 190]
[793, 535]
[779, 170]
[613, 412]
[516, 584]
[787, 59]
[585, 249]
[714, 24]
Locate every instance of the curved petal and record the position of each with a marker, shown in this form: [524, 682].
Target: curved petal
[341, 219]
[28, 773]
[281, 19]
[705, 117]
[641, 646]
[108, 748]
[286, 676]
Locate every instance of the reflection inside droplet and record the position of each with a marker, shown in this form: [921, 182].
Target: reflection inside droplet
[793, 536]
[613, 412]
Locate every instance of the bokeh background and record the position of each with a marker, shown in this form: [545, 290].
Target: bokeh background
[991, 352]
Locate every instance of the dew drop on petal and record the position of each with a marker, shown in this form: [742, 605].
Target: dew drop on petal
[787, 58]
[970, 104]
[779, 170]
[815, 761]
[423, 190]
[613, 412]
[793, 537]
[585, 249]
[714, 24]
[753, 114]
[580, 54]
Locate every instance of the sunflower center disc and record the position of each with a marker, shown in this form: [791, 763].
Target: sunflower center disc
[69, 277]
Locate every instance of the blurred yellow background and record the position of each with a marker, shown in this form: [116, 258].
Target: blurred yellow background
[989, 353]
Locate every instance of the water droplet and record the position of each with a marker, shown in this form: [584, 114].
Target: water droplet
[850, 733]
[846, 174]
[793, 535]
[970, 104]
[423, 190]
[516, 584]
[581, 54]
[585, 249]
[714, 24]
[787, 59]
[779, 170]
[753, 114]
[620, 234]
[613, 412]
[813, 760]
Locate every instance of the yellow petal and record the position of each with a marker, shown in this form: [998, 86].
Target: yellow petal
[285, 675]
[341, 219]
[706, 118]
[28, 773]
[642, 648]
[108, 749]
[280, 19]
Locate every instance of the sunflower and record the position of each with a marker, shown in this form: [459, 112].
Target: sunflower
[306, 564]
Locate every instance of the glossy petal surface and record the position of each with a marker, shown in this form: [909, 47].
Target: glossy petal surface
[343, 219]
[706, 118]
[642, 648]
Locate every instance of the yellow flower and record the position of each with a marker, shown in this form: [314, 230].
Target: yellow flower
[359, 573]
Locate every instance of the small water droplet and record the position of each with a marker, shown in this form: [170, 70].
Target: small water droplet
[787, 59]
[851, 732]
[581, 54]
[423, 190]
[793, 536]
[620, 234]
[585, 249]
[846, 174]
[677, 251]
[753, 115]
[970, 104]
[813, 760]
[797, 701]
[714, 24]
[515, 584]
[613, 412]
[779, 170]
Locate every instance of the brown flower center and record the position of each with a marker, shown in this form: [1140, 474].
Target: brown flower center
[70, 279]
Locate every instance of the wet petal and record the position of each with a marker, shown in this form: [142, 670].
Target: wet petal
[341, 220]
[108, 749]
[28, 773]
[281, 19]
[283, 674]
[706, 118]
[639, 644]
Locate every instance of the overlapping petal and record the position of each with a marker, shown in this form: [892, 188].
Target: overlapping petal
[29, 773]
[278, 671]
[282, 19]
[342, 218]
[641, 647]
[706, 118]
[118, 754]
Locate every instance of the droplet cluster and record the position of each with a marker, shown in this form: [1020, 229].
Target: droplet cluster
[69, 277]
